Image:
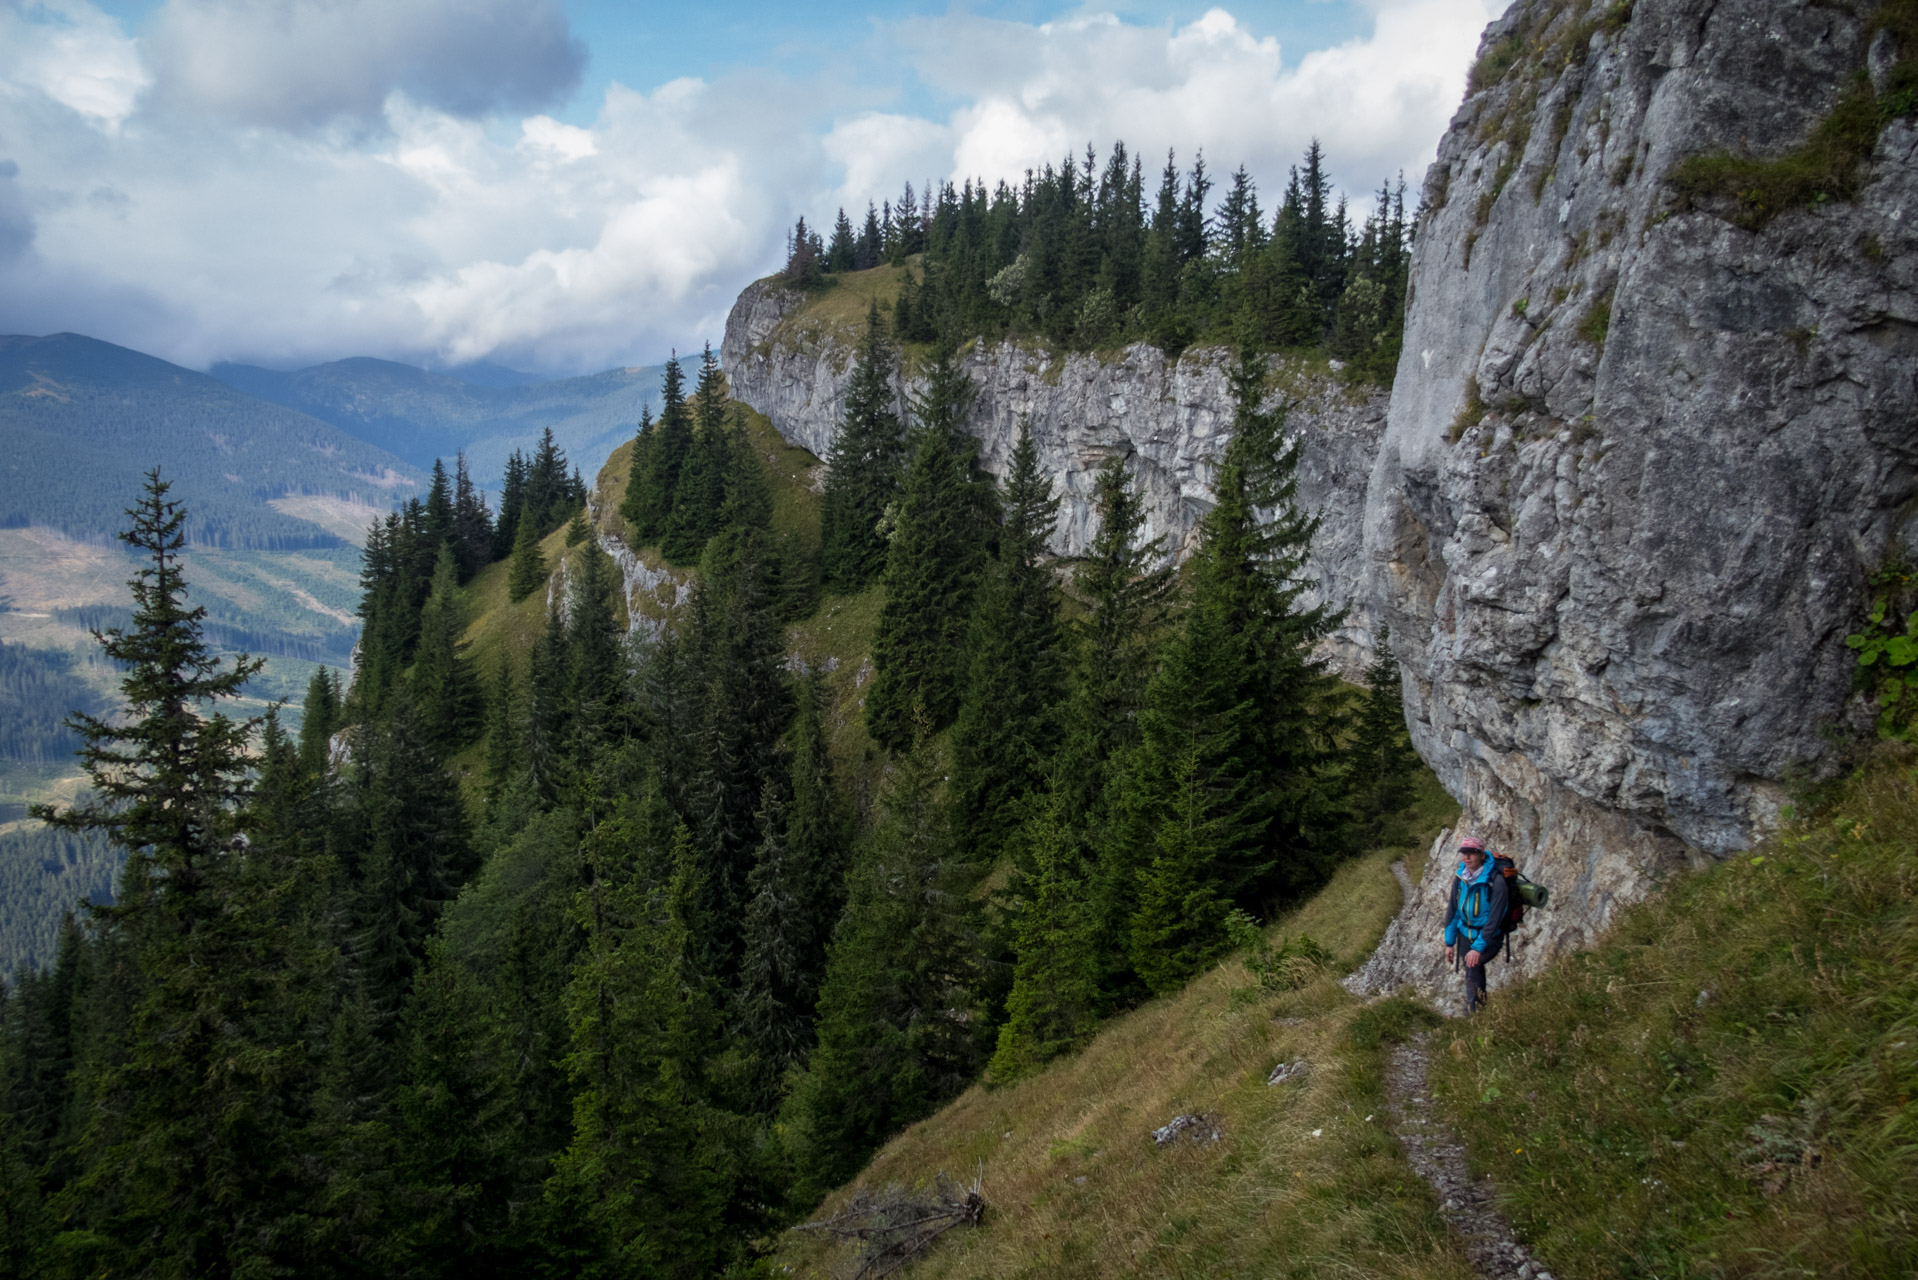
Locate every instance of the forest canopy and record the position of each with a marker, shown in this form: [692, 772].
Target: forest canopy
[609, 960]
[1084, 254]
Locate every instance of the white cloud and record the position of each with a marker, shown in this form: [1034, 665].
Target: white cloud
[425, 222]
[73, 54]
[1040, 92]
[301, 63]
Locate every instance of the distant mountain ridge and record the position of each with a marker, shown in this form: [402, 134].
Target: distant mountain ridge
[486, 410]
[83, 419]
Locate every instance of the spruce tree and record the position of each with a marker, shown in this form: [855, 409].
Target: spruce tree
[26, 1225]
[472, 522]
[899, 1030]
[636, 472]
[440, 526]
[744, 708]
[577, 530]
[749, 500]
[843, 254]
[1235, 784]
[548, 723]
[796, 891]
[1205, 818]
[862, 477]
[420, 852]
[511, 499]
[549, 490]
[192, 1119]
[1054, 1003]
[445, 689]
[1123, 589]
[504, 733]
[1008, 724]
[699, 498]
[933, 569]
[871, 243]
[774, 997]
[383, 611]
[653, 1160]
[527, 572]
[321, 716]
[38, 1042]
[1382, 757]
[655, 477]
[596, 664]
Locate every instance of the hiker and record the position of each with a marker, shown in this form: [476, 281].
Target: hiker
[1475, 917]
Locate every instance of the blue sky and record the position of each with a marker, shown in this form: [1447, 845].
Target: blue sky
[565, 185]
[644, 46]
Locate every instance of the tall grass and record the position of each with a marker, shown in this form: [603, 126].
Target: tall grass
[1724, 1086]
[1306, 1181]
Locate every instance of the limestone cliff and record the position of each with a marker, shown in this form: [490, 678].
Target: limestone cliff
[1170, 417]
[1643, 451]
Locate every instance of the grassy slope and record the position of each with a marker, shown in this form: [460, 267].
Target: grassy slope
[1725, 1086]
[502, 629]
[837, 308]
[1077, 1188]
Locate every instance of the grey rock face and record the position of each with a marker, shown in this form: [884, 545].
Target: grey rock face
[1171, 418]
[1639, 462]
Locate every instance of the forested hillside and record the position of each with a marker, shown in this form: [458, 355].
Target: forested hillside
[83, 419]
[279, 502]
[1086, 256]
[712, 915]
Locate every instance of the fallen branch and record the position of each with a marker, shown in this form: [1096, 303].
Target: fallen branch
[893, 1226]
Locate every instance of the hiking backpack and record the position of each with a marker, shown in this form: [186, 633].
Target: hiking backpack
[1520, 893]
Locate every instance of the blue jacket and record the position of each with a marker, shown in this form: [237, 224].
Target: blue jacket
[1475, 913]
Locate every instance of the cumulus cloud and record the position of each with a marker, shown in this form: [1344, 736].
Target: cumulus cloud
[302, 63]
[441, 224]
[1038, 93]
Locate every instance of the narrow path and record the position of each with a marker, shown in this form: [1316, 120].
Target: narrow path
[1438, 1156]
[1405, 880]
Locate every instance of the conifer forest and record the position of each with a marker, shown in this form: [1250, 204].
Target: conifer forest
[920, 784]
[1086, 256]
[665, 968]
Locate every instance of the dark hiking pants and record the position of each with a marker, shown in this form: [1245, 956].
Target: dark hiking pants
[1475, 977]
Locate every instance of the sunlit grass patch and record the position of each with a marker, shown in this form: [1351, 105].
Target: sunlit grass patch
[836, 308]
[1305, 1181]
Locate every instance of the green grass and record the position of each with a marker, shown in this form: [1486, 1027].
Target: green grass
[502, 627]
[1471, 412]
[1494, 63]
[836, 308]
[1724, 1086]
[792, 473]
[1306, 1182]
[839, 635]
[1596, 323]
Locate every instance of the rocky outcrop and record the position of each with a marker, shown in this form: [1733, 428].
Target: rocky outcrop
[1645, 446]
[1169, 417]
[1640, 461]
